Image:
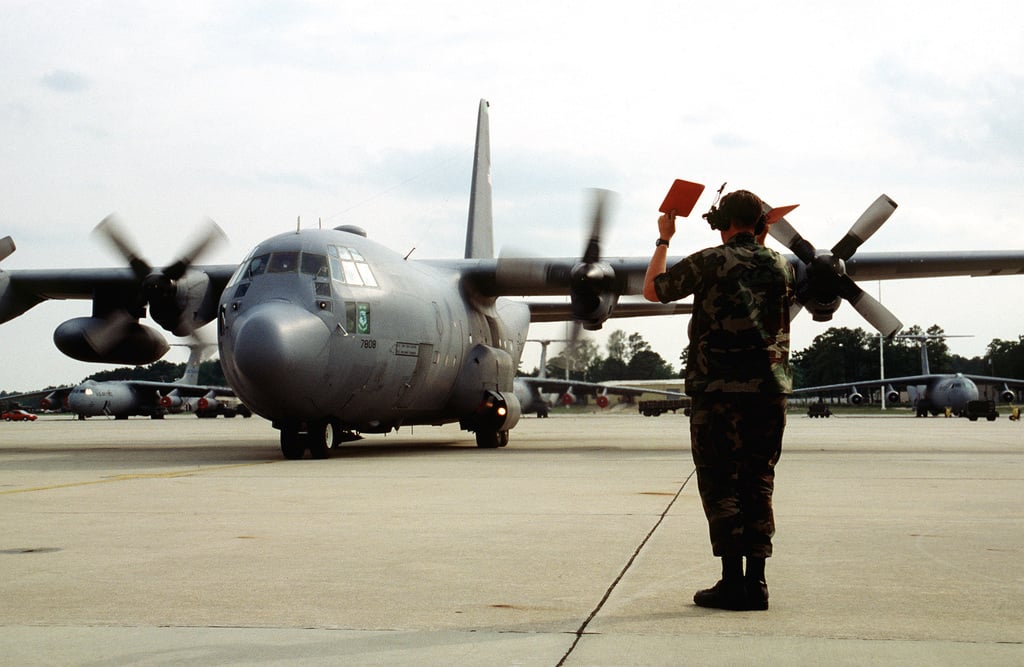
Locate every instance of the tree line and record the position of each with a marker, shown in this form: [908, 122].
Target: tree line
[843, 355]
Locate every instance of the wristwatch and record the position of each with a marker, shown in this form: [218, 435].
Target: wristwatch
[661, 242]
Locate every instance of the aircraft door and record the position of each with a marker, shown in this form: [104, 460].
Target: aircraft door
[415, 392]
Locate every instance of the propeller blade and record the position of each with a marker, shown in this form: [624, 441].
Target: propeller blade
[784, 233]
[574, 340]
[592, 251]
[110, 228]
[6, 247]
[208, 236]
[866, 225]
[880, 317]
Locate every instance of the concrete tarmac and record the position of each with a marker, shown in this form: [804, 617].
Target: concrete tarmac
[900, 541]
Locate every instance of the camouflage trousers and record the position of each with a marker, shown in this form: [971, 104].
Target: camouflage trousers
[736, 440]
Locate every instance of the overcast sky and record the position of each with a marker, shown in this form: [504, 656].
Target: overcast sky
[255, 113]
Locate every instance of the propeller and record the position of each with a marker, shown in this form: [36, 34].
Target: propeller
[6, 247]
[825, 281]
[158, 287]
[592, 282]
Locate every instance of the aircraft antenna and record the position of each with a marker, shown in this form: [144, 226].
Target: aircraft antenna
[409, 253]
[320, 222]
[298, 224]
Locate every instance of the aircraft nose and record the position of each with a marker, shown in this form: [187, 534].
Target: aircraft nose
[280, 353]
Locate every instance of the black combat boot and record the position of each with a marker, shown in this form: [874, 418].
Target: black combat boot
[729, 592]
[756, 587]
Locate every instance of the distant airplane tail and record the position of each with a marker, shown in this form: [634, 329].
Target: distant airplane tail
[480, 227]
[195, 357]
[922, 341]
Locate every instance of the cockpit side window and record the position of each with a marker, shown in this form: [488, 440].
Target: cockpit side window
[349, 267]
[257, 265]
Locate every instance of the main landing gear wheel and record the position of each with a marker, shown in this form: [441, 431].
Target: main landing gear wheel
[322, 439]
[293, 444]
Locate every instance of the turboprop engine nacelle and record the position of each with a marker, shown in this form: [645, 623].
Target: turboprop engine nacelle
[172, 401]
[207, 402]
[95, 339]
[591, 294]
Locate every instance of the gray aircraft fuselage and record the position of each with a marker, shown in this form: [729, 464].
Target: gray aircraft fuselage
[119, 399]
[952, 391]
[328, 327]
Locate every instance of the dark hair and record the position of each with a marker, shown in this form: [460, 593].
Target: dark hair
[742, 206]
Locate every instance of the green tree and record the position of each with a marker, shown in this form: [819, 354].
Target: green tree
[636, 344]
[1006, 358]
[836, 356]
[649, 365]
[617, 345]
[577, 360]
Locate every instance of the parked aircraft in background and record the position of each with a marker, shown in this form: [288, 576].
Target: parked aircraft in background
[327, 333]
[124, 398]
[530, 390]
[928, 392]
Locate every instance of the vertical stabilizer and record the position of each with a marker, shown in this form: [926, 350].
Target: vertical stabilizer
[195, 357]
[925, 370]
[479, 229]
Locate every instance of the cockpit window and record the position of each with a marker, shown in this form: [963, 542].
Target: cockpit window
[283, 262]
[256, 266]
[349, 267]
[314, 265]
[344, 265]
[248, 268]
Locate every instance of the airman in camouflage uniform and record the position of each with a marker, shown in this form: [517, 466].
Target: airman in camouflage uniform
[738, 376]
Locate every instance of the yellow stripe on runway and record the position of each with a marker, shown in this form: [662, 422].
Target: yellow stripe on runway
[125, 478]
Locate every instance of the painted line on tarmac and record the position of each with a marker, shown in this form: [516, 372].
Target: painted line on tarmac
[133, 476]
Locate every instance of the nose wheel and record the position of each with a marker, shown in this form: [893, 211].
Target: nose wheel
[491, 439]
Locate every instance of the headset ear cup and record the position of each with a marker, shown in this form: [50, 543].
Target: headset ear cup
[717, 219]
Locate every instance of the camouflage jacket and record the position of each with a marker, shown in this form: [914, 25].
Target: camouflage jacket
[739, 329]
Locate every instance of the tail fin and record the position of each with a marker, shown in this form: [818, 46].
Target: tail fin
[479, 230]
[195, 357]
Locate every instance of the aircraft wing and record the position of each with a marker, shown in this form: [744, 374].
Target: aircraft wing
[549, 385]
[35, 397]
[562, 311]
[935, 264]
[906, 380]
[20, 290]
[846, 386]
[521, 276]
[182, 389]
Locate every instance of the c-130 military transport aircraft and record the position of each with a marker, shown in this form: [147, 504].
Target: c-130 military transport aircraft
[327, 334]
